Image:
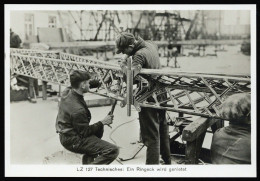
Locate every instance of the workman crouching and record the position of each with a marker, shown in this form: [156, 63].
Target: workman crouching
[73, 124]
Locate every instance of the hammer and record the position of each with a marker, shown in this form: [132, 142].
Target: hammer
[111, 112]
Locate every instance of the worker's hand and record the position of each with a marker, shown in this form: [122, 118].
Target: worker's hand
[108, 120]
[123, 64]
[123, 60]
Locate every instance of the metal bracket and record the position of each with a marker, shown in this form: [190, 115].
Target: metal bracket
[137, 106]
[136, 70]
[129, 87]
[124, 68]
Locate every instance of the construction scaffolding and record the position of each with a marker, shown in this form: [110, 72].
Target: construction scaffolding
[195, 94]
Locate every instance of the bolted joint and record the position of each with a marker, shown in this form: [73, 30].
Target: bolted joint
[124, 68]
[137, 106]
[136, 70]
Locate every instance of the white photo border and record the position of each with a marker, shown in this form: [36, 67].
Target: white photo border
[71, 171]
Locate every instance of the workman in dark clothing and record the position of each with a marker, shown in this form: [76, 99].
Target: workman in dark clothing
[73, 124]
[232, 144]
[15, 40]
[153, 124]
[169, 52]
[173, 51]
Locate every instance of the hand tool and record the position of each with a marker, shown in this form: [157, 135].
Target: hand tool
[111, 112]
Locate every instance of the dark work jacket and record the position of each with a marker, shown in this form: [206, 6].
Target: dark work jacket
[145, 53]
[74, 116]
[232, 145]
[15, 40]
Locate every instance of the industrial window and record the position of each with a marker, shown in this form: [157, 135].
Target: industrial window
[29, 25]
[52, 22]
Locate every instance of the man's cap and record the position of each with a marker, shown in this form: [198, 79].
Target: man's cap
[123, 41]
[237, 108]
[79, 76]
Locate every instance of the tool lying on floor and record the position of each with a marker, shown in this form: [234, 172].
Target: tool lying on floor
[139, 148]
[111, 112]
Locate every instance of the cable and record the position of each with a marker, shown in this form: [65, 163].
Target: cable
[173, 154]
[110, 136]
[119, 161]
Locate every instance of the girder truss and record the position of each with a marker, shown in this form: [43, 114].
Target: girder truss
[190, 93]
[194, 94]
[58, 70]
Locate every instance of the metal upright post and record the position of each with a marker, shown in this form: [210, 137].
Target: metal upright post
[129, 90]
[44, 90]
[31, 87]
[204, 48]
[59, 91]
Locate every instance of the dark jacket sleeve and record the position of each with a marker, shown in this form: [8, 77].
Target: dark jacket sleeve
[81, 121]
[138, 59]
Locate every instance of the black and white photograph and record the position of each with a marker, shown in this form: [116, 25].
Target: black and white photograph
[130, 90]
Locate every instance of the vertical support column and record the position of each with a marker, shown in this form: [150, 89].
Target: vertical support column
[199, 50]
[105, 54]
[36, 87]
[129, 88]
[44, 90]
[190, 152]
[59, 91]
[204, 48]
[175, 60]
[31, 84]
[97, 54]
[193, 149]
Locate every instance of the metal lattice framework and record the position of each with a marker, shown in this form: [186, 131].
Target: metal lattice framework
[195, 94]
[57, 71]
[190, 93]
[36, 53]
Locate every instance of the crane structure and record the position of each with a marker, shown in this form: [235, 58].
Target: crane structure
[195, 94]
[106, 24]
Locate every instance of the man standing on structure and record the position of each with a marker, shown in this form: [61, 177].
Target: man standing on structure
[153, 124]
[73, 124]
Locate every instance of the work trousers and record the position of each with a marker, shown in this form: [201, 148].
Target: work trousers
[91, 146]
[155, 135]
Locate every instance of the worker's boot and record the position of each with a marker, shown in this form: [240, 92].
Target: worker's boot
[87, 160]
[165, 161]
[32, 100]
